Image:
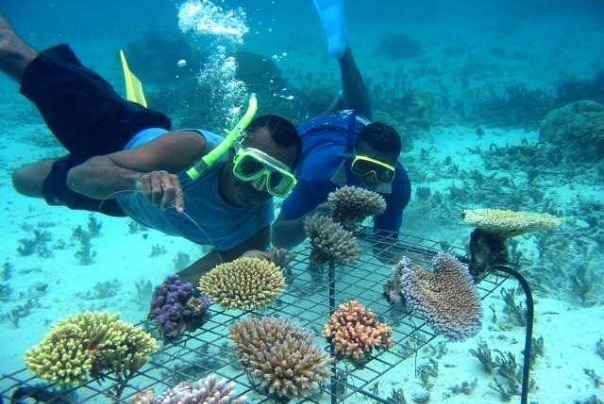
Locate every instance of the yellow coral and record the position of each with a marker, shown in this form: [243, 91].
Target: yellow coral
[88, 346]
[247, 283]
[507, 223]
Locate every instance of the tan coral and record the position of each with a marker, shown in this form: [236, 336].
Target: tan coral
[350, 205]
[354, 331]
[281, 356]
[88, 346]
[507, 223]
[247, 283]
[330, 242]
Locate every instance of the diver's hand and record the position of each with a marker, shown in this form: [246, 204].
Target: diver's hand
[323, 209]
[278, 256]
[162, 189]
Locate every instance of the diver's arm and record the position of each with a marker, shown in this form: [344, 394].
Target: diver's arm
[289, 233]
[101, 177]
[192, 273]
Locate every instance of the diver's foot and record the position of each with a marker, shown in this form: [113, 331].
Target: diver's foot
[15, 55]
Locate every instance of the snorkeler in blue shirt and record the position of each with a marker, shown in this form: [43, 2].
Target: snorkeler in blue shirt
[345, 148]
[124, 161]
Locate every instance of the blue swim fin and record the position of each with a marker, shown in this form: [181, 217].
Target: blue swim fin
[331, 13]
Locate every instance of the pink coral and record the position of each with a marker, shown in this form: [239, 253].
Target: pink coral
[446, 296]
[354, 331]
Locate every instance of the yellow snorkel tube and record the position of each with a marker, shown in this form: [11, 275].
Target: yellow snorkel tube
[229, 141]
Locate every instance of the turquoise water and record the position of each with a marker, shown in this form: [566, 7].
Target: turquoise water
[468, 85]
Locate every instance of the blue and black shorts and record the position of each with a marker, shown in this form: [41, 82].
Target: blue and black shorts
[86, 115]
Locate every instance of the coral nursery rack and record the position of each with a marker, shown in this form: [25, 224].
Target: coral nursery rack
[209, 350]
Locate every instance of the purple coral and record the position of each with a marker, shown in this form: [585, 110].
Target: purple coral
[207, 391]
[178, 307]
[446, 296]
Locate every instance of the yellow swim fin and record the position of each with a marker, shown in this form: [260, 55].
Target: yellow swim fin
[134, 87]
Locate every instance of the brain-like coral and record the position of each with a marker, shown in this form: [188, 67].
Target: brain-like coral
[205, 391]
[354, 331]
[247, 283]
[446, 296]
[89, 346]
[177, 307]
[281, 356]
[330, 242]
[507, 223]
[350, 205]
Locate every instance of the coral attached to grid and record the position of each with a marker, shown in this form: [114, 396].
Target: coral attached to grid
[247, 283]
[209, 390]
[177, 307]
[281, 356]
[446, 296]
[330, 242]
[90, 346]
[350, 205]
[354, 331]
[507, 223]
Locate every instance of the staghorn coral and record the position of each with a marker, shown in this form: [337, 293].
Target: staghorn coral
[446, 296]
[178, 307]
[354, 331]
[281, 356]
[350, 205]
[507, 223]
[90, 345]
[247, 283]
[330, 242]
[206, 391]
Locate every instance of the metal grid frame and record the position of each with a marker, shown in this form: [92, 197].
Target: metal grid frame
[208, 350]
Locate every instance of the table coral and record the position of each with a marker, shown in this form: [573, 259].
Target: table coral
[446, 296]
[354, 331]
[507, 223]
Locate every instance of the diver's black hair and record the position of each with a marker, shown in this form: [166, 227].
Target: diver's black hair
[381, 137]
[282, 131]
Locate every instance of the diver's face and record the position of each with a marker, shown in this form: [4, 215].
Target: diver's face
[372, 181]
[248, 193]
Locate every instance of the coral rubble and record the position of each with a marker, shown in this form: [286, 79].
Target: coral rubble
[281, 356]
[354, 331]
[247, 283]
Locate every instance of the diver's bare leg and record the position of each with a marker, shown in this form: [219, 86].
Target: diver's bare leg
[355, 92]
[15, 55]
